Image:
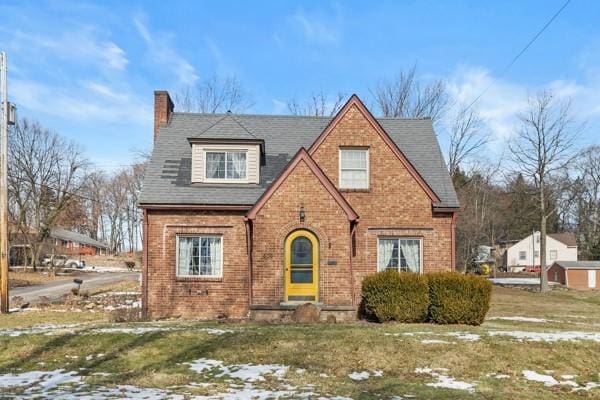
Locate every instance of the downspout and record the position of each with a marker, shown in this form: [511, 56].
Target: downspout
[352, 280]
[453, 240]
[249, 247]
[145, 267]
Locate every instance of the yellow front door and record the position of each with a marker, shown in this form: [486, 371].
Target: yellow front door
[301, 267]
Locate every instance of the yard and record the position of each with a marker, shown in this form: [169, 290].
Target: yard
[532, 346]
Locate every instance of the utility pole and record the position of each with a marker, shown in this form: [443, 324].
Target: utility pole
[4, 191]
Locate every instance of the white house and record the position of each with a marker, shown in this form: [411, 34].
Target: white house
[526, 253]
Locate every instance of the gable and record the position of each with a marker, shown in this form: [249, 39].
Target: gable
[356, 107]
[303, 159]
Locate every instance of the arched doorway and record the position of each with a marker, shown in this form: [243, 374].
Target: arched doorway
[301, 267]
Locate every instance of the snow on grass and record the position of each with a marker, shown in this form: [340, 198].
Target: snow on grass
[434, 341]
[139, 330]
[517, 281]
[548, 336]
[444, 381]
[547, 380]
[244, 372]
[465, 336]
[39, 380]
[215, 331]
[46, 329]
[521, 319]
[550, 381]
[361, 376]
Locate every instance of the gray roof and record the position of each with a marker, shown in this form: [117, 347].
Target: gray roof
[579, 264]
[63, 234]
[167, 179]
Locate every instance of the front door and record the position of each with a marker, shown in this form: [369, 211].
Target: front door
[301, 267]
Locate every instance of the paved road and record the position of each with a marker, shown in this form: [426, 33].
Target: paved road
[55, 290]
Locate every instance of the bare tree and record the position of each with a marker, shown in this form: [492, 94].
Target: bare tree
[542, 149]
[586, 207]
[214, 95]
[318, 104]
[404, 96]
[466, 137]
[45, 172]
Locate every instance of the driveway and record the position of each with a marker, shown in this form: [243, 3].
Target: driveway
[55, 290]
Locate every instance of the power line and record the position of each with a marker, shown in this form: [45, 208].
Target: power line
[523, 50]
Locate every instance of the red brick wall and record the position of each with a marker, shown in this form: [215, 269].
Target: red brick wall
[279, 217]
[394, 201]
[578, 279]
[556, 274]
[173, 296]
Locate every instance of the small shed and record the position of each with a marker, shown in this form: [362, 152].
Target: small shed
[583, 275]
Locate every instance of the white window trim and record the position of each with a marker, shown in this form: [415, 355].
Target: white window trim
[198, 235]
[524, 257]
[402, 238]
[555, 252]
[224, 180]
[340, 167]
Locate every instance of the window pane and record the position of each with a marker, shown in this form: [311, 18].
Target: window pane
[388, 254]
[215, 165]
[301, 275]
[354, 179]
[410, 255]
[301, 251]
[200, 255]
[236, 165]
[354, 159]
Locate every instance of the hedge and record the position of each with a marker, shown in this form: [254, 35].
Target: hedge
[393, 296]
[458, 299]
[443, 298]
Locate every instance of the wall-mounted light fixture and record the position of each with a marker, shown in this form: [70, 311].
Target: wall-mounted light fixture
[302, 214]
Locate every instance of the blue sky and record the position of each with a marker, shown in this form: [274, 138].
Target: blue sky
[88, 70]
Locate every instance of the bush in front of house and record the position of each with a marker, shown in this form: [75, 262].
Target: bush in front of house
[393, 296]
[458, 299]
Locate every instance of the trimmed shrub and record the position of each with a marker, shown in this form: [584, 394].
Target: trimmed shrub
[395, 296]
[458, 299]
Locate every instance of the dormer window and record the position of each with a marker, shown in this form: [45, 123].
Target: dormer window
[226, 165]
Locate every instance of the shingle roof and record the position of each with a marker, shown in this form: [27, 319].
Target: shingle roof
[567, 238]
[63, 234]
[168, 176]
[227, 127]
[579, 264]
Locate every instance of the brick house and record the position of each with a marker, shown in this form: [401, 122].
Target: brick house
[250, 215]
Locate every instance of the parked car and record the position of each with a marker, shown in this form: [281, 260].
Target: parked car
[58, 260]
[536, 269]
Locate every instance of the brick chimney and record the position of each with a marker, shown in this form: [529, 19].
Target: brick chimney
[163, 108]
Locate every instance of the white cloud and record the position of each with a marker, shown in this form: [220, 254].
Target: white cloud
[75, 104]
[81, 46]
[162, 51]
[317, 29]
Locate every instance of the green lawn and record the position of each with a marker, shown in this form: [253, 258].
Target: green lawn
[318, 359]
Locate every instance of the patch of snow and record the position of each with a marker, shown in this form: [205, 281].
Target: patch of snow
[547, 380]
[444, 381]
[39, 380]
[46, 329]
[215, 331]
[548, 336]
[568, 376]
[434, 341]
[521, 319]
[140, 330]
[359, 376]
[466, 336]
[244, 372]
[497, 376]
[517, 281]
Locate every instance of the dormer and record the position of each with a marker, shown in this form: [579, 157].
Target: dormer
[226, 152]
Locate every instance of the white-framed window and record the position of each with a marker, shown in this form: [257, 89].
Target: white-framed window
[536, 254]
[200, 255]
[553, 254]
[354, 168]
[400, 254]
[225, 165]
[522, 255]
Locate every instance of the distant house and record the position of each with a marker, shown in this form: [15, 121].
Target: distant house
[526, 252]
[73, 243]
[576, 274]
